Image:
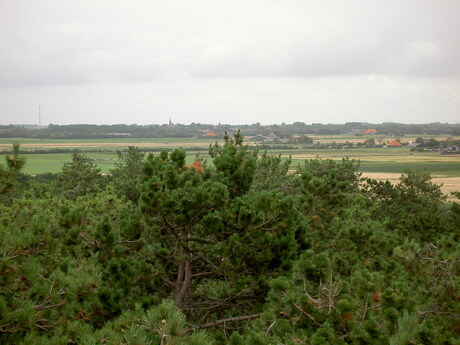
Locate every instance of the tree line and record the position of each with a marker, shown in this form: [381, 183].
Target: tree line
[87, 131]
[240, 251]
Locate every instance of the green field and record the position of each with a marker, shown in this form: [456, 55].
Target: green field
[391, 160]
[52, 163]
[43, 163]
[375, 160]
[444, 169]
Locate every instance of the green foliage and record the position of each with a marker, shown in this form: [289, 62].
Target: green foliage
[235, 164]
[415, 206]
[213, 247]
[303, 139]
[66, 264]
[407, 328]
[326, 187]
[127, 172]
[416, 184]
[369, 142]
[242, 252]
[11, 170]
[176, 199]
[80, 177]
[272, 173]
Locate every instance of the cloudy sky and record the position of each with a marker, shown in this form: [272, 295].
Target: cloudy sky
[239, 61]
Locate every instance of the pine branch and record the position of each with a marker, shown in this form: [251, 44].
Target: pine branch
[438, 312]
[299, 308]
[169, 283]
[49, 306]
[131, 241]
[201, 274]
[199, 240]
[93, 243]
[222, 321]
[270, 328]
[266, 222]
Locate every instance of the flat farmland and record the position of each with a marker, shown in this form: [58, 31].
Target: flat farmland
[34, 144]
[381, 163]
[340, 139]
[44, 156]
[392, 160]
[52, 163]
[389, 164]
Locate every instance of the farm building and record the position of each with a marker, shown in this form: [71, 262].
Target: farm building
[258, 137]
[370, 131]
[272, 136]
[394, 143]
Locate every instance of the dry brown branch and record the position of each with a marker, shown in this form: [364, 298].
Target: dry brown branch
[438, 312]
[299, 308]
[261, 226]
[222, 321]
[326, 295]
[366, 309]
[201, 274]
[94, 243]
[43, 326]
[49, 306]
[131, 241]
[270, 328]
[168, 282]
[3, 329]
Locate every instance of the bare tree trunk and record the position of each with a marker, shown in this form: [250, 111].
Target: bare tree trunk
[181, 293]
[184, 275]
[180, 275]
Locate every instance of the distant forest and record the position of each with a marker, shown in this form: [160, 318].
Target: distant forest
[84, 131]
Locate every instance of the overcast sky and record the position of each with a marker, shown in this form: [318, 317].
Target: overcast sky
[238, 61]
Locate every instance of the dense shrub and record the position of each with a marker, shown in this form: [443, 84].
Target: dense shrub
[241, 252]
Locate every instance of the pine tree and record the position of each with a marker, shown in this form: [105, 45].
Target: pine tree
[79, 177]
[125, 176]
[11, 170]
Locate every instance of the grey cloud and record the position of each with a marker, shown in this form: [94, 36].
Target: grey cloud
[422, 39]
[306, 60]
[55, 42]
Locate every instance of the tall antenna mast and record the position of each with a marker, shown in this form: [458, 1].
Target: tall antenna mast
[39, 117]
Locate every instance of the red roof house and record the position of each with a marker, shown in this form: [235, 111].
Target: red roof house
[394, 143]
[370, 131]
